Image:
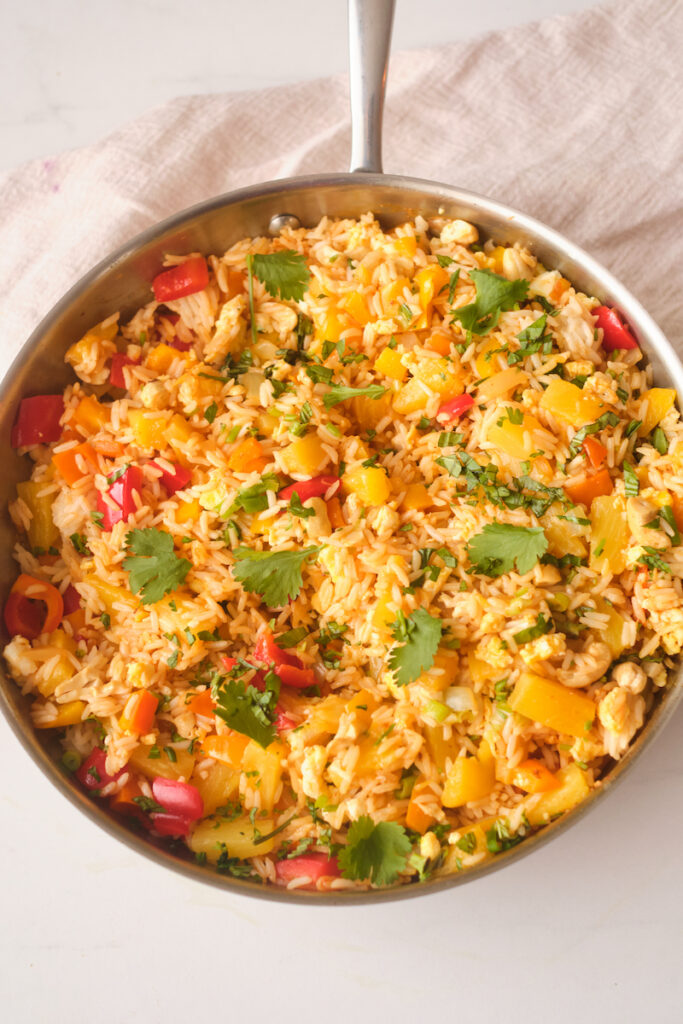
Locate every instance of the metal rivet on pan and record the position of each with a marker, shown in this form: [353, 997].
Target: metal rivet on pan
[283, 220]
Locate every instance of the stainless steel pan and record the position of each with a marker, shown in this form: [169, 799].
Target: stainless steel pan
[121, 282]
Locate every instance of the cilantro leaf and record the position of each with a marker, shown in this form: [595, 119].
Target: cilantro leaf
[275, 575]
[608, 419]
[246, 709]
[500, 547]
[284, 274]
[653, 560]
[340, 393]
[494, 295]
[296, 507]
[376, 852]
[154, 567]
[531, 340]
[420, 633]
[631, 481]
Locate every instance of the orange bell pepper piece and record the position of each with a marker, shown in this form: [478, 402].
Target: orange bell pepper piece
[123, 800]
[110, 449]
[71, 462]
[596, 452]
[138, 714]
[334, 513]
[23, 616]
[90, 415]
[533, 777]
[417, 819]
[201, 704]
[582, 492]
[246, 456]
[439, 343]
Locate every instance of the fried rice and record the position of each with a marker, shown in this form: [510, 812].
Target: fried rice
[367, 546]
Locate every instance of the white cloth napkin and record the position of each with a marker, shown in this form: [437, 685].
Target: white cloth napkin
[575, 119]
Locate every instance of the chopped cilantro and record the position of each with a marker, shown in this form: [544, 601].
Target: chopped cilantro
[631, 482]
[376, 852]
[275, 575]
[653, 560]
[154, 567]
[254, 499]
[418, 635]
[210, 413]
[296, 507]
[284, 274]
[608, 419]
[494, 295]
[246, 709]
[443, 261]
[501, 546]
[340, 393]
[659, 440]
[541, 626]
[292, 637]
[79, 542]
[319, 374]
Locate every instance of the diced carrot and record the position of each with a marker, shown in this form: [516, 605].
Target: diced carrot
[69, 464]
[245, 457]
[533, 777]
[201, 704]
[138, 714]
[335, 514]
[582, 492]
[596, 452]
[228, 748]
[678, 510]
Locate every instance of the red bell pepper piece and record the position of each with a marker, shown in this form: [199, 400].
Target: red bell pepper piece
[37, 421]
[309, 865]
[116, 374]
[282, 720]
[24, 616]
[316, 487]
[454, 408]
[72, 600]
[228, 662]
[185, 279]
[92, 774]
[176, 480]
[182, 346]
[121, 491]
[181, 798]
[615, 333]
[170, 825]
[267, 652]
[300, 678]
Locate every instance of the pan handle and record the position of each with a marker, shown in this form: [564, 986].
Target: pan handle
[370, 23]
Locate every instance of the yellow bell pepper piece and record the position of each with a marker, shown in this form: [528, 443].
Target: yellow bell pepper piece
[162, 765]
[161, 357]
[488, 360]
[406, 245]
[411, 397]
[368, 412]
[430, 280]
[389, 363]
[470, 778]
[70, 713]
[654, 406]
[329, 327]
[304, 457]
[237, 838]
[267, 766]
[570, 403]
[416, 498]
[392, 294]
[552, 704]
[149, 429]
[356, 306]
[370, 483]
[188, 511]
[42, 532]
[441, 750]
[573, 788]
[109, 596]
[90, 415]
[610, 533]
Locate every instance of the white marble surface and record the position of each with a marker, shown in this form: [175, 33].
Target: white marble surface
[588, 928]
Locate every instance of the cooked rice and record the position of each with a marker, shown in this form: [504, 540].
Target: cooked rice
[570, 620]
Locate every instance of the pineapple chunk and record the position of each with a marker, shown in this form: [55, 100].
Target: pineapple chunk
[470, 778]
[219, 787]
[441, 750]
[151, 767]
[238, 837]
[488, 360]
[416, 498]
[609, 533]
[267, 766]
[613, 634]
[370, 483]
[369, 411]
[572, 790]
[149, 431]
[655, 404]
[572, 404]
[552, 704]
[304, 457]
[70, 713]
[565, 538]
[515, 439]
